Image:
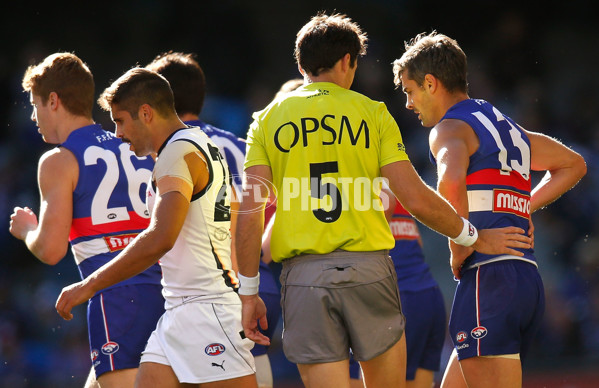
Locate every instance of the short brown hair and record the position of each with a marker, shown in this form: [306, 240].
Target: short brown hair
[435, 54]
[67, 76]
[136, 87]
[186, 78]
[325, 39]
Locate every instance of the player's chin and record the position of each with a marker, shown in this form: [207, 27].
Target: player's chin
[132, 149]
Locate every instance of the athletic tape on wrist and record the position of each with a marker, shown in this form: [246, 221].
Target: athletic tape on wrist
[468, 236]
[248, 286]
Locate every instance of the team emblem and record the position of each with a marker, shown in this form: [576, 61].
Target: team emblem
[221, 234]
[214, 349]
[478, 332]
[94, 354]
[110, 348]
[461, 336]
[470, 230]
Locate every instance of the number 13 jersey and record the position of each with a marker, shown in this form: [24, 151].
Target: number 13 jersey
[498, 177]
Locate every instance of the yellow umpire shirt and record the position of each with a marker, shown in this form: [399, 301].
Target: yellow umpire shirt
[325, 146]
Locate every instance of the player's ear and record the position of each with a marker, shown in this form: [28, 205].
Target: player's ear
[345, 62]
[431, 83]
[53, 100]
[145, 113]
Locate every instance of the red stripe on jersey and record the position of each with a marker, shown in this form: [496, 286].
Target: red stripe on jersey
[495, 177]
[82, 227]
[402, 224]
[400, 210]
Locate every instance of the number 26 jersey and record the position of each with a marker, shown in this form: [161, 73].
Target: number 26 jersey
[109, 200]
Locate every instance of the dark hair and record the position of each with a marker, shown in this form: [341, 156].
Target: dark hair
[186, 78]
[325, 39]
[435, 54]
[67, 76]
[136, 87]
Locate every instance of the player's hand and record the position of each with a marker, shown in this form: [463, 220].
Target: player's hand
[72, 296]
[253, 313]
[22, 221]
[502, 241]
[456, 266]
[458, 254]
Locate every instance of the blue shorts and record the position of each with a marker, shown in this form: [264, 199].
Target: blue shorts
[354, 368]
[426, 325]
[497, 309]
[120, 321]
[273, 314]
[425, 331]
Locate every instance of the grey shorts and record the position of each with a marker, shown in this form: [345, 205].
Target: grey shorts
[338, 301]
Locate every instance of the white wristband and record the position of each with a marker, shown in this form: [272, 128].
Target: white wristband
[468, 236]
[248, 286]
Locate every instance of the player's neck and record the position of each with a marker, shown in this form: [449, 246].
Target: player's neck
[453, 98]
[340, 74]
[163, 128]
[70, 123]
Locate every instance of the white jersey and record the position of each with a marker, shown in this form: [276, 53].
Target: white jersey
[198, 267]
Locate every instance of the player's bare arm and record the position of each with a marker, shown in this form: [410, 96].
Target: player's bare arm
[421, 200]
[452, 143]
[170, 211]
[431, 209]
[564, 167]
[57, 178]
[146, 249]
[248, 235]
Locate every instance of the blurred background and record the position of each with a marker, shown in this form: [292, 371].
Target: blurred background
[536, 61]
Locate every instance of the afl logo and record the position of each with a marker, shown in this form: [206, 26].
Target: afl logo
[479, 332]
[110, 348]
[111, 216]
[461, 336]
[94, 354]
[214, 349]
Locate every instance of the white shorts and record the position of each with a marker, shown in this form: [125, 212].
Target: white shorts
[201, 342]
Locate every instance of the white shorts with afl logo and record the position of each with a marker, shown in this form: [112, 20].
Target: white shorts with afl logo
[201, 342]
